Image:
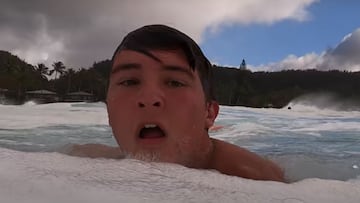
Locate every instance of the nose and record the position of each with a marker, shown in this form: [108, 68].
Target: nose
[143, 104]
[150, 98]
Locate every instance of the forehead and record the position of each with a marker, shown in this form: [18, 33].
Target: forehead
[166, 61]
[164, 57]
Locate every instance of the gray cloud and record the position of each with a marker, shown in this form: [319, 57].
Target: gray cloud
[83, 31]
[345, 56]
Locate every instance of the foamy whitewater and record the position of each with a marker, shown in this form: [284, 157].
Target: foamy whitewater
[319, 149]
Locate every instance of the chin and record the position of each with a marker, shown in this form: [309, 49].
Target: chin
[144, 156]
[151, 156]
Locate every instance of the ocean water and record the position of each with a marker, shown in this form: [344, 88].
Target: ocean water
[318, 148]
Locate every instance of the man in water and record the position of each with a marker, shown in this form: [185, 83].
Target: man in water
[161, 106]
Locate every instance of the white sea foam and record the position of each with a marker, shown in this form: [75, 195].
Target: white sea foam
[30, 103]
[324, 101]
[239, 119]
[52, 177]
[307, 144]
[32, 116]
[245, 122]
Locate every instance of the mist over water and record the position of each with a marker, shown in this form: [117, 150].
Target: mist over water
[307, 141]
[325, 101]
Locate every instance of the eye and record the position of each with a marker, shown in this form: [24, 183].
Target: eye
[175, 83]
[129, 82]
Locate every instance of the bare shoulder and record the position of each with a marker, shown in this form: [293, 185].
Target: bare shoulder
[233, 160]
[94, 151]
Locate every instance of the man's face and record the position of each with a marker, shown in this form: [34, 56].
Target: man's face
[157, 109]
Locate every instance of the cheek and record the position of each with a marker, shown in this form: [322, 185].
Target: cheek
[117, 106]
[187, 114]
[117, 115]
[188, 103]
[119, 124]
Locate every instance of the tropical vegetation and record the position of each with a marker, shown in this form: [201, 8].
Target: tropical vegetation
[233, 85]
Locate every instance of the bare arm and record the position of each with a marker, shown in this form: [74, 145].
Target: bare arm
[233, 160]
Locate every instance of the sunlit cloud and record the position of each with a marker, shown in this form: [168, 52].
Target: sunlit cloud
[345, 56]
[83, 31]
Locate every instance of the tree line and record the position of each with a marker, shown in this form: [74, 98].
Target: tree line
[18, 77]
[233, 86]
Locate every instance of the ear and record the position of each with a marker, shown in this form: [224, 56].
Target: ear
[108, 112]
[212, 112]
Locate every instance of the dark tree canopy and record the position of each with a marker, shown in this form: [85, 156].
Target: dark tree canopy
[233, 86]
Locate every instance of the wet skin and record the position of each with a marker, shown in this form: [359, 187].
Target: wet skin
[166, 93]
[158, 112]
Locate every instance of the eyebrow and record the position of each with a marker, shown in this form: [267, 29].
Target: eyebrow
[180, 69]
[125, 66]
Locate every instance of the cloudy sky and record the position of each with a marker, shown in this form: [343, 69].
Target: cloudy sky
[268, 34]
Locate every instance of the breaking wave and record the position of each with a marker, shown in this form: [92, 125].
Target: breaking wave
[323, 101]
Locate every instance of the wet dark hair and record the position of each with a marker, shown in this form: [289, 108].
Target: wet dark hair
[162, 37]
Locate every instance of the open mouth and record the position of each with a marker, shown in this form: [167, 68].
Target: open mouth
[151, 131]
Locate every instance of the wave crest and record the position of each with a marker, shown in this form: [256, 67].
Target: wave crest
[324, 101]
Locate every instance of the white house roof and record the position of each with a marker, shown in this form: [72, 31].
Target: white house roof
[80, 93]
[41, 92]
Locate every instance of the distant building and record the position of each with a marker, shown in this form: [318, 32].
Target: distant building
[79, 97]
[243, 65]
[3, 94]
[42, 96]
[270, 106]
[3, 90]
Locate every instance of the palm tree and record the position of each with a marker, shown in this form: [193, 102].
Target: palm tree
[69, 74]
[42, 70]
[59, 68]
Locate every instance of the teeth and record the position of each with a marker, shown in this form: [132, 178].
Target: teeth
[150, 125]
